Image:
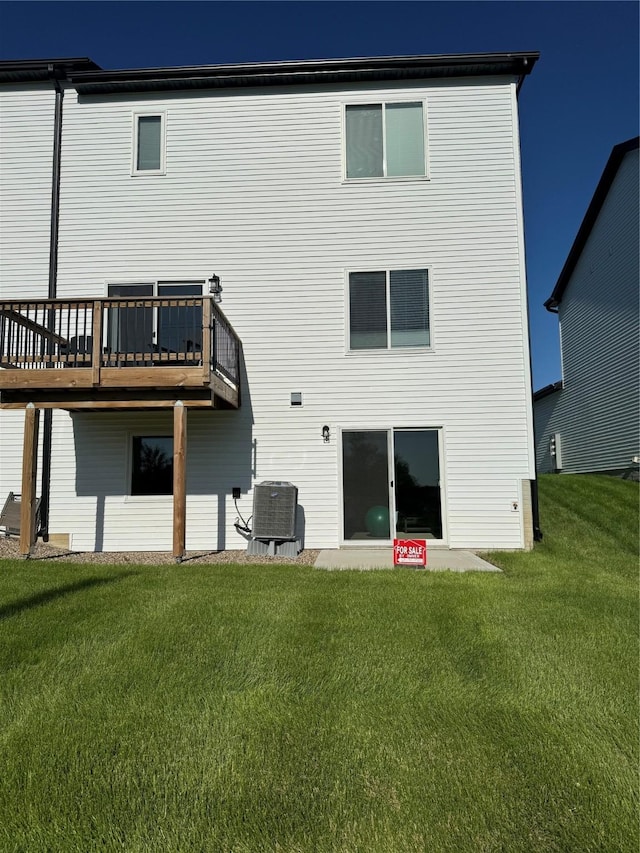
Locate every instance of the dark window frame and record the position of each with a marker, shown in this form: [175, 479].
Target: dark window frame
[151, 476]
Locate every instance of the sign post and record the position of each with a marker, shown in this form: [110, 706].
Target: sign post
[410, 552]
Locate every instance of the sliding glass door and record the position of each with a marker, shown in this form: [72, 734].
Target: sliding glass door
[145, 329]
[365, 475]
[130, 330]
[179, 327]
[417, 484]
[391, 485]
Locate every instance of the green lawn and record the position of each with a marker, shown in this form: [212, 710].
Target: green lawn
[272, 708]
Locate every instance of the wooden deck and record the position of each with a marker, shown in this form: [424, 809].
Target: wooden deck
[111, 354]
[118, 354]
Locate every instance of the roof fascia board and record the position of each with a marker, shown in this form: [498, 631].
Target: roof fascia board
[616, 157]
[43, 63]
[33, 70]
[547, 390]
[269, 73]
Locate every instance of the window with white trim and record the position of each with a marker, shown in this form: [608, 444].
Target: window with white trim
[148, 144]
[389, 309]
[385, 140]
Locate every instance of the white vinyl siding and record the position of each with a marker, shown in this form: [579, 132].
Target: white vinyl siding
[26, 158]
[547, 423]
[596, 412]
[255, 191]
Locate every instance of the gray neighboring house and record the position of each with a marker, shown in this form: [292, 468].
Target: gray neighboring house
[590, 417]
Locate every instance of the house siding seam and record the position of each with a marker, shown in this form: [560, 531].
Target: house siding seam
[254, 192]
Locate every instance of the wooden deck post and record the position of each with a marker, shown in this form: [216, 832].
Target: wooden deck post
[179, 480]
[29, 471]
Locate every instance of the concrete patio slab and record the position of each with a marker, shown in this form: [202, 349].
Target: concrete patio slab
[438, 560]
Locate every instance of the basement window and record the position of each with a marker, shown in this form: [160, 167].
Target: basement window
[152, 465]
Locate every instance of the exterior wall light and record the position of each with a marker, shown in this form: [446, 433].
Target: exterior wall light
[326, 434]
[215, 288]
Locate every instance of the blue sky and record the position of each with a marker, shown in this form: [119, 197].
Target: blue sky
[581, 99]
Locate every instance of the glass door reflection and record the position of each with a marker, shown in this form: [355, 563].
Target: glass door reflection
[417, 484]
[365, 472]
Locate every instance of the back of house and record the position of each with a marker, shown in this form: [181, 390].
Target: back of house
[323, 261]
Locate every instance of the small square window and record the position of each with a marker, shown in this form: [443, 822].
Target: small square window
[296, 398]
[385, 140]
[152, 465]
[149, 145]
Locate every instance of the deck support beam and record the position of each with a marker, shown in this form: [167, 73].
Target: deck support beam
[179, 480]
[29, 472]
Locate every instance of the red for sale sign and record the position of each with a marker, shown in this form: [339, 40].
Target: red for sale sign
[409, 552]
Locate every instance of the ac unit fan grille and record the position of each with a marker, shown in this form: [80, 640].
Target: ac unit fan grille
[274, 510]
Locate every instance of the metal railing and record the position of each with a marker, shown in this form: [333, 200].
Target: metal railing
[117, 332]
[226, 347]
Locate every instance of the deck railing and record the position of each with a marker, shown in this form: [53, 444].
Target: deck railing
[117, 332]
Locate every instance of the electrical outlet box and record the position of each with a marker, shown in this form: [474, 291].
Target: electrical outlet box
[555, 451]
[235, 492]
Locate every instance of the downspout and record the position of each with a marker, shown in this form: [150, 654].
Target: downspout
[535, 504]
[47, 431]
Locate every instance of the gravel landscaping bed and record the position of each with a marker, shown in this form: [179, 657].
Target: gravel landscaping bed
[9, 551]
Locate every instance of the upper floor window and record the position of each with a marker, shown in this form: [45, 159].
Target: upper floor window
[389, 309]
[148, 145]
[385, 140]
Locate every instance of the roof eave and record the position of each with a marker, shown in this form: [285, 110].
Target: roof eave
[547, 390]
[616, 157]
[34, 70]
[307, 71]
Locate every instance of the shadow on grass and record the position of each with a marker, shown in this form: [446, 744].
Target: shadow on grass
[199, 556]
[48, 595]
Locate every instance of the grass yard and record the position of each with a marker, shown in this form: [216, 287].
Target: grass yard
[221, 708]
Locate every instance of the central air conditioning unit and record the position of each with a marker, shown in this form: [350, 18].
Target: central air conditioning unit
[274, 510]
[274, 519]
